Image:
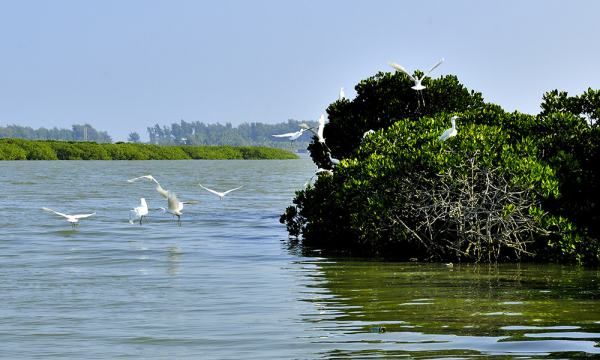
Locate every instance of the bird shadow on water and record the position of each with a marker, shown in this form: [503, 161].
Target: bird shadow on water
[67, 233]
[173, 259]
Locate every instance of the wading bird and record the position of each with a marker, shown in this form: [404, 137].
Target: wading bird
[319, 132]
[138, 213]
[174, 206]
[73, 219]
[449, 132]
[342, 95]
[221, 195]
[159, 188]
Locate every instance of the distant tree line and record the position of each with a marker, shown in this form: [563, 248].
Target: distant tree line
[76, 133]
[200, 133]
[181, 133]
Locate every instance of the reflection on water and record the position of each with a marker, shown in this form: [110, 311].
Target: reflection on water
[173, 255]
[228, 284]
[385, 310]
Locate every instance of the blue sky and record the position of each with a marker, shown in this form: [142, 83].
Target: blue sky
[124, 65]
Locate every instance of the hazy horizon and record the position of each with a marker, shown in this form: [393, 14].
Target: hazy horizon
[124, 66]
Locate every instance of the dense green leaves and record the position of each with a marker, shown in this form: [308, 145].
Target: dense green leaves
[18, 149]
[509, 186]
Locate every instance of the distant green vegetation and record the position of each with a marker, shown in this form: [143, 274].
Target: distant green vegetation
[19, 149]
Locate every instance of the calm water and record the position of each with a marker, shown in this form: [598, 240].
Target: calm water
[228, 285]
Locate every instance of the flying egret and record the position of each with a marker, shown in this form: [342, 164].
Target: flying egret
[342, 95]
[449, 132]
[221, 195]
[291, 136]
[138, 212]
[417, 80]
[73, 219]
[320, 129]
[159, 188]
[174, 206]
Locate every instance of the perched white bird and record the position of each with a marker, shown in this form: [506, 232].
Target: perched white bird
[449, 132]
[73, 219]
[334, 161]
[138, 213]
[291, 136]
[221, 195]
[159, 188]
[321, 128]
[418, 86]
[368, 132]
[324, 171]
[342, 95]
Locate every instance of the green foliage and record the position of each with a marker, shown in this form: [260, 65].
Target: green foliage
[374, 192]
[11, 151]
[586, 106]
[509, 186]
[18, 149]
[382, 100]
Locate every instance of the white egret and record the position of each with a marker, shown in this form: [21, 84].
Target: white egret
[73, 219]
[291, 136]
[418, 86]
[174, 206]
[323, 171]
[320, 129]
[368, 132]
[159, 188]
[333, 160]
[138, 213]
[449, 132]
[342, 95]
[318, 172]
[417, 80]
[221, 195]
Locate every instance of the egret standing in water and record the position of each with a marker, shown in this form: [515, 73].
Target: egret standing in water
[449, 132]
[138, 212]
[418, 86]
[159, 188]
[73, 219]
[174, 206]
[221, 195]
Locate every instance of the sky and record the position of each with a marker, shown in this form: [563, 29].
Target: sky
[124, 65]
